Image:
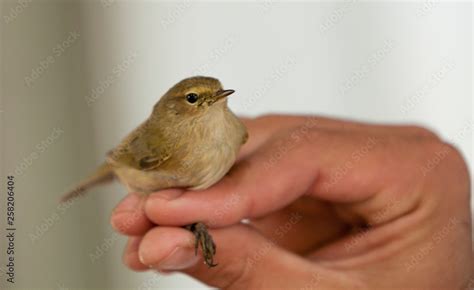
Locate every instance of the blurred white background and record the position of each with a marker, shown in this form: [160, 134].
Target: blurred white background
[76, 76]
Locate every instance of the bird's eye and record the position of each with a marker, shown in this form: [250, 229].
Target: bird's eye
[191, 98]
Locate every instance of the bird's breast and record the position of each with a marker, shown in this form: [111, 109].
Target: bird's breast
[217, 141]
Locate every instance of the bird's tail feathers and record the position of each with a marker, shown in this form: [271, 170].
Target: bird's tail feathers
[103, 174]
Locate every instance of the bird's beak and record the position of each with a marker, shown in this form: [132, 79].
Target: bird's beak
[220, 94]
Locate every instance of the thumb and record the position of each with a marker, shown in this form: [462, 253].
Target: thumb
[246, 260]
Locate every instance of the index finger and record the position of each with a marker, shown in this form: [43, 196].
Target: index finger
[302, 163]
[262, 128]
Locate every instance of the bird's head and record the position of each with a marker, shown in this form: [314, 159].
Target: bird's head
[194, 96]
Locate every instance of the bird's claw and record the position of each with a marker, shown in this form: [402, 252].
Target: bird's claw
[204, 239]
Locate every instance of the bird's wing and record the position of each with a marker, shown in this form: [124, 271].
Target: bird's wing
[143, 149]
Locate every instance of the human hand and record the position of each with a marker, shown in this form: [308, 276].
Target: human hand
[329, 204]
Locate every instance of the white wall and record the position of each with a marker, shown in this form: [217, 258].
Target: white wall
[390, 62]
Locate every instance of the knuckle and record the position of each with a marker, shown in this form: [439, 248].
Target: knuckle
[423, 131]
[248, 207]
[449, 153]
[448, 162]
[455, 160]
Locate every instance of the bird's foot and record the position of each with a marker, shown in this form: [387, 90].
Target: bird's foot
[204, 239]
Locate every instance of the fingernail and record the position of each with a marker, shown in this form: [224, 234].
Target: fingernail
[181, 258]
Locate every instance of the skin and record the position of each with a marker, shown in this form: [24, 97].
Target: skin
[330, 204]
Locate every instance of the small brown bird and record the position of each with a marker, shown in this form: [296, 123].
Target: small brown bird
[190, 140]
